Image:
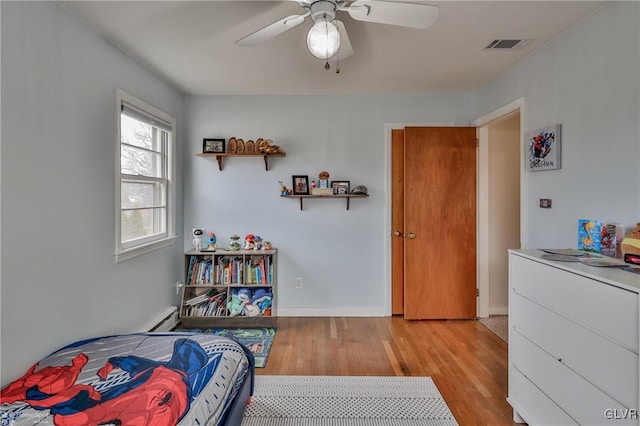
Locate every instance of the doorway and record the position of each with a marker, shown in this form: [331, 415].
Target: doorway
[503, 207]
[501, 215]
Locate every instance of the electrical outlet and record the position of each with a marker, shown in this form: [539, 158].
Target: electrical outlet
[299, 282]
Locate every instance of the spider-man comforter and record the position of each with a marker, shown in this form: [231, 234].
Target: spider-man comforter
[137, 379]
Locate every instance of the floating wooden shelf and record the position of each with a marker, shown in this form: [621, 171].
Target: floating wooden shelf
[219, 157]
[347, 196]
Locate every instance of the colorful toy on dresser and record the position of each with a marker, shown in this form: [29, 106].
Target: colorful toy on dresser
[599, 237]
[631, 246]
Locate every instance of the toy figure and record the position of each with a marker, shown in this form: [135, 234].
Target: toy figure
[283, 188]
[249, 243]
[234, 244]
[267, 245]
[235, 305]
[198, 238]
[323, 181]
[630, 246]
[211, 241]
[258, 243]
[262, 299]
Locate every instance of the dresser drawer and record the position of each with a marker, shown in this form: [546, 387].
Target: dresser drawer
[582, 401]
[601, 307]
[607, 365]
[534, 406]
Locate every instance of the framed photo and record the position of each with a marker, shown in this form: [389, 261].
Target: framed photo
[340, 187]
[213, 146]
[543, 148]
[300, 185]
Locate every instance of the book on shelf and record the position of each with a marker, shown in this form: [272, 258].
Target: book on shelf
[199, 270]
[229, 270]
[211, 304]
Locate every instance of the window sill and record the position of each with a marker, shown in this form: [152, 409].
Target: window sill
[130, 253]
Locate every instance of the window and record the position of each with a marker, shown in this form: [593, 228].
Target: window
[144, 173]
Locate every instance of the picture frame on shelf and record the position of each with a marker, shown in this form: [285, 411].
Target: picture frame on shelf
[213, 146]
[300, 184]
[340, 187]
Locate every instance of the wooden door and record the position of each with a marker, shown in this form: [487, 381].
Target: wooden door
[439, 222]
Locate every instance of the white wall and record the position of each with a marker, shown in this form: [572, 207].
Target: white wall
[59, 280]
[339, 254]
[587, 79]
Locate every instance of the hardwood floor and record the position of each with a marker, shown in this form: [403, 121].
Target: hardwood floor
[467, 362]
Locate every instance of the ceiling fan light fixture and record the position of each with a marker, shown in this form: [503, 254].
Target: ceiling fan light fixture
[323, 39]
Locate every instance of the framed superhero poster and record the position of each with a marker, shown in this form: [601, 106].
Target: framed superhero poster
[542, 147]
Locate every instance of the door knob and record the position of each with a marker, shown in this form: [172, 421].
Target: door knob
[398, 234]
[411, 235]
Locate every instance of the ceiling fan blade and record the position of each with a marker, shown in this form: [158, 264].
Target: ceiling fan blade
[412, 15]
[346, 49]
[272, 30]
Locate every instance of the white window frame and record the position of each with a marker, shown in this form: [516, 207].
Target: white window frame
[131, 249]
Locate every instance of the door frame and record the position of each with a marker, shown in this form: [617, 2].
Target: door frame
[387, 190]
[483, 123]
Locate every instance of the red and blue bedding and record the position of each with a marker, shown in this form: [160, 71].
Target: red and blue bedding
[137, 379]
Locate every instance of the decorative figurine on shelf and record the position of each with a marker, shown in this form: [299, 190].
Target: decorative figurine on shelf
[323, 181]
[211, 242]
[249, 243]
[198, 238]
[313, 185]
[267, 245]
[265, 146]
[234, 244]
[283, 188]
[258, 243]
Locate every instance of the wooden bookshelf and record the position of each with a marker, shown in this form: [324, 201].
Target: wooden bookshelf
[212, 277]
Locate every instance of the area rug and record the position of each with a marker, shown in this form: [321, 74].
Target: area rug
[346, 401]
[258, 340]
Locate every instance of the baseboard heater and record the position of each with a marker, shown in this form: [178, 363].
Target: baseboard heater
[165, 321]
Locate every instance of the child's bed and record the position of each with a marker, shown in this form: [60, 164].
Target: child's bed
[137, 379]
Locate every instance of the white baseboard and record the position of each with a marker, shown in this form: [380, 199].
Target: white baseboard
[165, 321]
[332, 312]
[498, 310]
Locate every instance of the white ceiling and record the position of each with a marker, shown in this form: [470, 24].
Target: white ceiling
[191, 45]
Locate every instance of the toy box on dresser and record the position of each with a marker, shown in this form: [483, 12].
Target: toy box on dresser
[229, 288]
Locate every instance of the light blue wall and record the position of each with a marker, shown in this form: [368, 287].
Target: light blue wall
[588, 80]
[339, 254]
[59, 280]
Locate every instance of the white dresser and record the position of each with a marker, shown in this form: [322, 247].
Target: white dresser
[573, 342]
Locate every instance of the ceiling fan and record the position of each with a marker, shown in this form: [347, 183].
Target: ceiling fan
[328, 36]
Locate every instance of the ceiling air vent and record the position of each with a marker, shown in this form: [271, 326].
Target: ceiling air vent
[507, 44]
